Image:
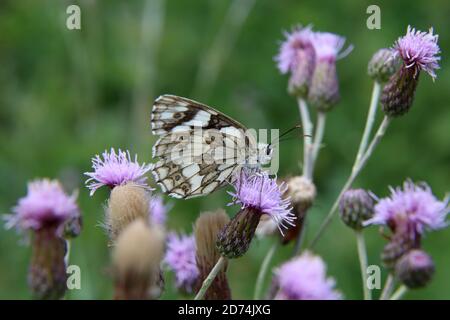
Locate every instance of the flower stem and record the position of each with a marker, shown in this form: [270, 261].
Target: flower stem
[307, 136]
[388, 286]
[398, 294]
[357, 167]
[263, 271]
[318, 136]
[210, 278]
[362, 254]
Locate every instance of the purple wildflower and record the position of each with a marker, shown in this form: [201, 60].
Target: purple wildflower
[180, 257]
[116, 169]
[419, 50]
[158, 211]
[328, 46]
[413, 208]
[46, 204]
[304, 278]
[260, 192]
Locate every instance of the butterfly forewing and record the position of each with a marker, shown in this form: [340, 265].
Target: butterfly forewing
[199, 148]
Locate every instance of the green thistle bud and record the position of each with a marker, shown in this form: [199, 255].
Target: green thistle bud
[382, 65]
[415, 269]
[235, 238]
[355, 207]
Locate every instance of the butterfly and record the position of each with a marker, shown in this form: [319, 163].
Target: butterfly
[200, 149]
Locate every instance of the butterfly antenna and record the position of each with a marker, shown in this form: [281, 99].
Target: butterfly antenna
[298, 126]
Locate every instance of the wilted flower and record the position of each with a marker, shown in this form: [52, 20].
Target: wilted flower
[304, 278]
[411, 210]
[180, 258]
[324, 89]
[419, 51]
[356, 206]
[297, 57]
[415, 269]
[136, 257]
[115, 170]
[158, 210]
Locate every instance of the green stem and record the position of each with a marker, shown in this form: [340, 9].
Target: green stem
[318, 136]
[357, 167]
[362, 254]
[398, 294]
[210, 278]
[307, 136]
[263, 271]
[388, 286]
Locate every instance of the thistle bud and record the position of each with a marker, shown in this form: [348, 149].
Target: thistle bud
[136, 259]
[399, 245]
[126, 204]
[356, 206]
[206, 230]
[415, 269]
[382, 65]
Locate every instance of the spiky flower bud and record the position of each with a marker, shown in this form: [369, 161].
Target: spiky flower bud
[418, 51]
[257, 194]
[206, 230]
[382, 65]
[324, 89]
[355, 207]
[127, 203]
[415, 269]
[396, 248]
[136, 259]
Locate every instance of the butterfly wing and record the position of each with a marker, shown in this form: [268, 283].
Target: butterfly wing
[199, 148]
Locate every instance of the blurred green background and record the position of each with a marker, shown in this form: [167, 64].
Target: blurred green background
[68, 95]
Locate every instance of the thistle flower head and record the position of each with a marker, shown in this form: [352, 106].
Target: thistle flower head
[158, 210]
[356, 206]
[296, 41]
[419, 50]
[258, 191]
[46, 204]
[116, 169]
[413, 208]
[328, 46]
[304, 278]
[180, 258]
[415, 269]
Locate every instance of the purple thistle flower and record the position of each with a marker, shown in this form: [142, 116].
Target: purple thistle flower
[45, 205]
[304, 278]
[419, 50]
[116, 169]
[413, 209]
[296, 41]
[258, 191]
[158, 211]
[180, 258]
[328, 46]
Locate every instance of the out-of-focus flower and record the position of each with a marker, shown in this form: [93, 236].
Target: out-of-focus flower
[415, 269]
[158, 210]
[411, 210]
[419, 51]
[45, 205]
[127, 203]
[115, 170]
[180, 258]
[324, 89]
[356, 206]
[297, 57]
[382, 65]
[304, 278]
[137, 255]
[206, 230]
[45, 210]
[257, 194]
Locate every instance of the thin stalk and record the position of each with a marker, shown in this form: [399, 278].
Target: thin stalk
[67, 256]
[388, 287]
[370, 120]
[210, 278]
[307, 135]
[318, 137]
[362, 255]
[357, 167]
[263, 271]
[398, 294]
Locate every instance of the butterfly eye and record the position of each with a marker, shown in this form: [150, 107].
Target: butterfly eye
[268, 150]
